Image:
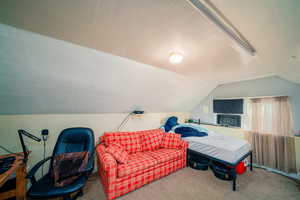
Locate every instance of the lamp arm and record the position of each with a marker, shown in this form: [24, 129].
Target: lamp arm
[21, 133]
[29, 135]
[123, 122]
[31, 173]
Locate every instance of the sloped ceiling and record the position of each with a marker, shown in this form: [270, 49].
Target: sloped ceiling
[42, 75]
[43, 71]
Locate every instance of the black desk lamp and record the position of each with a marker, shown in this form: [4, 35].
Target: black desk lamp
[21, 133]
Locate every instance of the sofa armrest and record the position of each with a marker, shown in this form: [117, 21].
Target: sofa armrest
[109, 162]
[105, 159]
[107, 169]
[184, 144]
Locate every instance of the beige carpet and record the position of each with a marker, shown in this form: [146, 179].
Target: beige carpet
[190, 184]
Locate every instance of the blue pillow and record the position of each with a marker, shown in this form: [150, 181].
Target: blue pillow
[189, 132]
[170, 123]
[167, 128]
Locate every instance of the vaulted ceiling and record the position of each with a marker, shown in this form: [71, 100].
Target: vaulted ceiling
[148, 31]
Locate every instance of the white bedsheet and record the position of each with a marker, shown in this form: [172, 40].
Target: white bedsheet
[219, 146]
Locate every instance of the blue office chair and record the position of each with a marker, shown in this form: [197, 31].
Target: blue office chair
[69, 140]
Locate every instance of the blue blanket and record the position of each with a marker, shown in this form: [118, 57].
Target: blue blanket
[189, 132]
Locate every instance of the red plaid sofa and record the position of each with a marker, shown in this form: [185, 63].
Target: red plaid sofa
[145, 162]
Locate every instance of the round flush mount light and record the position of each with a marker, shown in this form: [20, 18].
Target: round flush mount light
[175, 58]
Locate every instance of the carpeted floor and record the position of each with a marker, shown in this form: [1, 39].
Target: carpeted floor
[190, 184]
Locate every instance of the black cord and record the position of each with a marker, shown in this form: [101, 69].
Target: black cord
[10, 152]
[44, 156]
[274, 171]
[5, 149]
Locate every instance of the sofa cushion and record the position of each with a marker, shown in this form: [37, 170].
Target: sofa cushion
[135, 163]
[118, 152]
[171, 141]
[165, 155]
[151, 140]
[129, 140]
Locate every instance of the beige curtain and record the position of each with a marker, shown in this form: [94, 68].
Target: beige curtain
[271, 133]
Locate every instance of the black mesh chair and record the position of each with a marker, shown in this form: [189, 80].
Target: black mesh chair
[69, 140]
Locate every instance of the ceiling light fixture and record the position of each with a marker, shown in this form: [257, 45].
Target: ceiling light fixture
[175, 58]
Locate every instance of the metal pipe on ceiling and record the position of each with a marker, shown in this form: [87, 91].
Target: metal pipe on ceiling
[212, 13]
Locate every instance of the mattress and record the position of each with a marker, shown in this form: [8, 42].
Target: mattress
[219, 146]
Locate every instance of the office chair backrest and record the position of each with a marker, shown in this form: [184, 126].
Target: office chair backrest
[76, 140]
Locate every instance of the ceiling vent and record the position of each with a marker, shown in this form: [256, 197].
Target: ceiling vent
[206, 8]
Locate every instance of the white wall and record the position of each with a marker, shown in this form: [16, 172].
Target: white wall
[10, 124]
[42, 75]
[270, 86]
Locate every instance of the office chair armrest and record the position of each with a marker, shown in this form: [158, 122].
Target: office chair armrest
[32, 172]
[90, 165]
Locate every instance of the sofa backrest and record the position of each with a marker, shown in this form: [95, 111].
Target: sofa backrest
[151, 139]
[144, 132]
[131, 141]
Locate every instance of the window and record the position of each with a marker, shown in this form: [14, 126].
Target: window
[271, 115]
